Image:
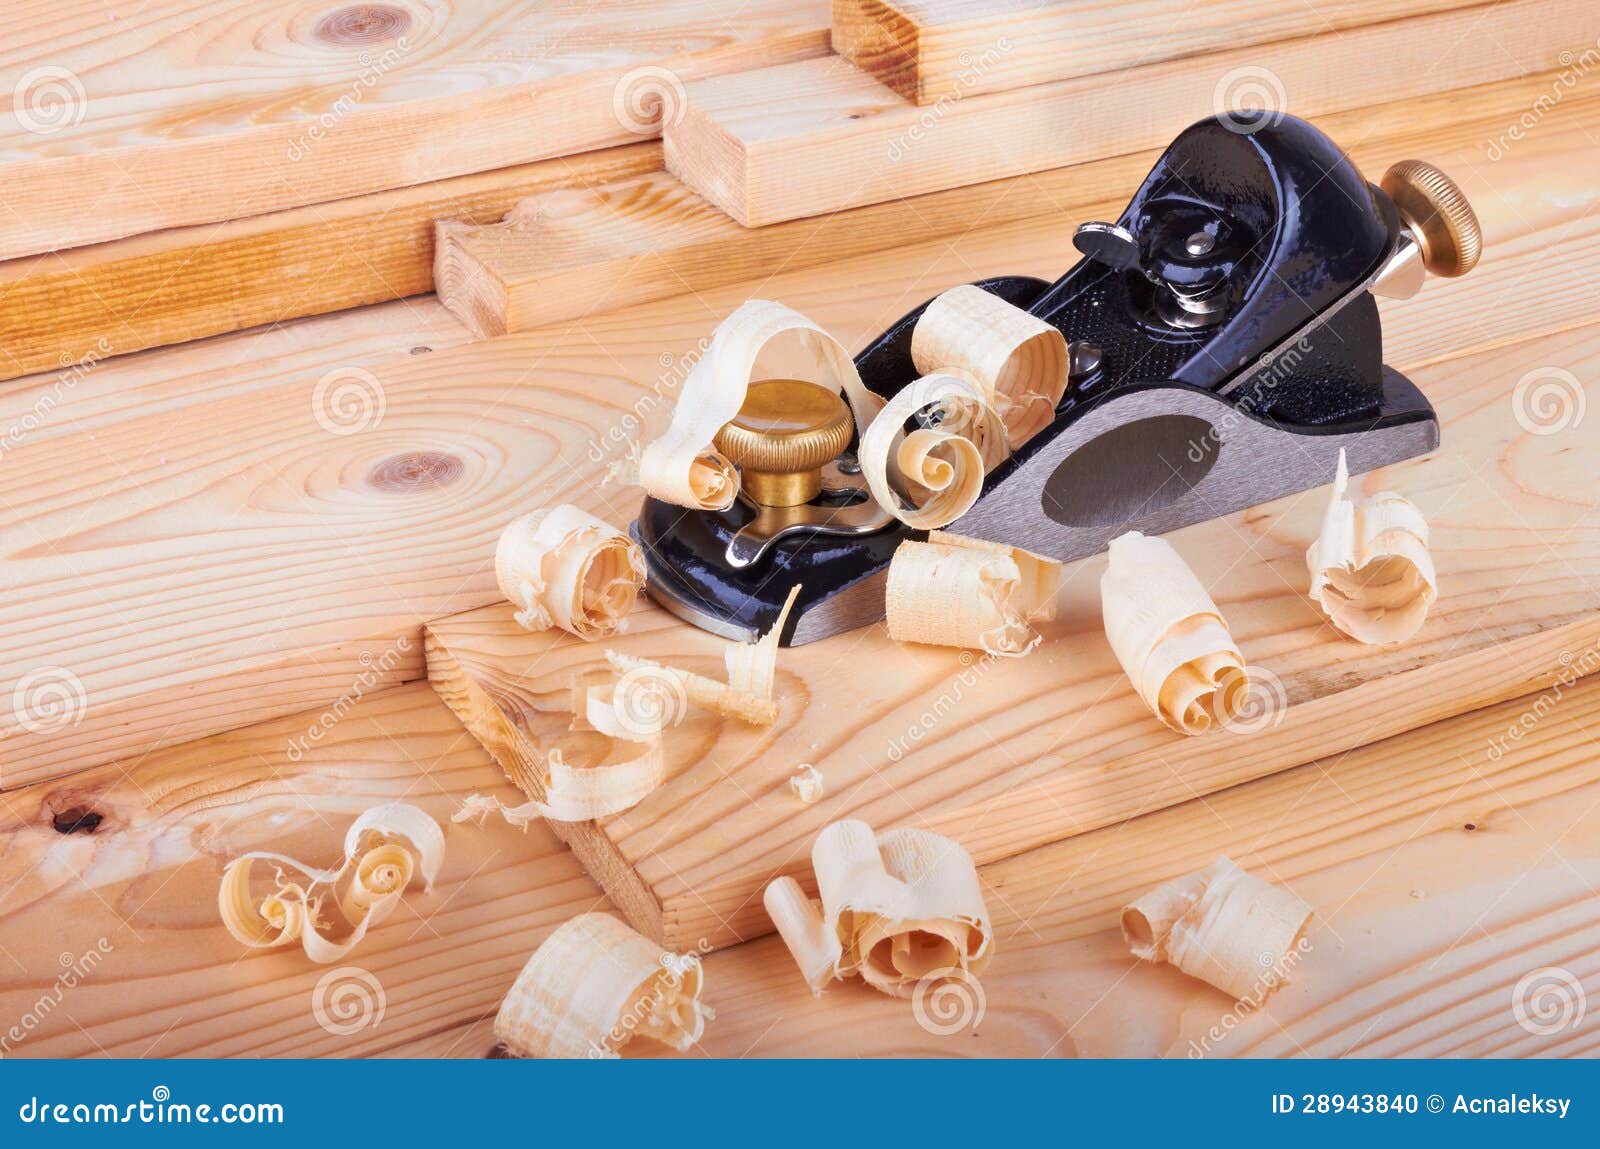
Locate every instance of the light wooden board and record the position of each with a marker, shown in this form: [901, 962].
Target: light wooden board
[1439, 877]
[195, 111]
[192, 491]
[927, 50]
[571, 254]
[817, 136]
[575, 252]
[192, 282]
[170, 982]
[1009, 754]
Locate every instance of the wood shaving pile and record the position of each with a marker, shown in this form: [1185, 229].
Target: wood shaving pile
[635, 709]
[1221, 925]
[596, 984]
[992, 375]
[385, 850]
[1371, 572]
[563, 567]
[955, 591]
[1169, 636]
[896, 908]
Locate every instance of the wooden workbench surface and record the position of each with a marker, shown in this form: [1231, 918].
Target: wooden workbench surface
[1444, 866]
[1447, 865]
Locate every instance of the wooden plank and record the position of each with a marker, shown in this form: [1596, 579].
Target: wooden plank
[927, 50]
[576, 252]
[204, 110]
[1009, 754]
[567, 255]
[1439, 877]
[192, 282]
[821, 135]
[140, 887]
[1428, 861]
[207, 506]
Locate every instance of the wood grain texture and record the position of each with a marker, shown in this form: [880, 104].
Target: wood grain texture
[929, 49]
[192, 282]
[1443, 865]
[574, 252]
[170, 982]
[191, 493]
[569, 254]
[1439, 877]
[193, 111]
[1006, 755]
[821, 135]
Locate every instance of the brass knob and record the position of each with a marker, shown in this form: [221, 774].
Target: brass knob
[783, 436]
[1438, 214]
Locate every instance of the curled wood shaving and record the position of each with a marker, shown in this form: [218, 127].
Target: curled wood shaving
[563, 567]
[1371, 572]
[1228, 928]
[593, 986]
[992, 375]
[752, 667]
[1169, 636]
[1018, 361]
[931, 476]
[955, 591]
[896, 908]
[682, 466]
[385, 849]
[806, 783]
[631, 714]
[634, 709]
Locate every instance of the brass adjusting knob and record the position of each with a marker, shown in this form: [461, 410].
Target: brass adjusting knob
[1441, 219]
[783, 436]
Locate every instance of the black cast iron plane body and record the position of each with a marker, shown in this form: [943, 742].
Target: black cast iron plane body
[1225, 348]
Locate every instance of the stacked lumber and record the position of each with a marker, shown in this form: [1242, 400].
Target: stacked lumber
[204, 111]
[191, 282]
[821, 135]
[928, 49]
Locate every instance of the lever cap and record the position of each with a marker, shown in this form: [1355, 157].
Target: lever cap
[785, 433]
[1441, 219]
